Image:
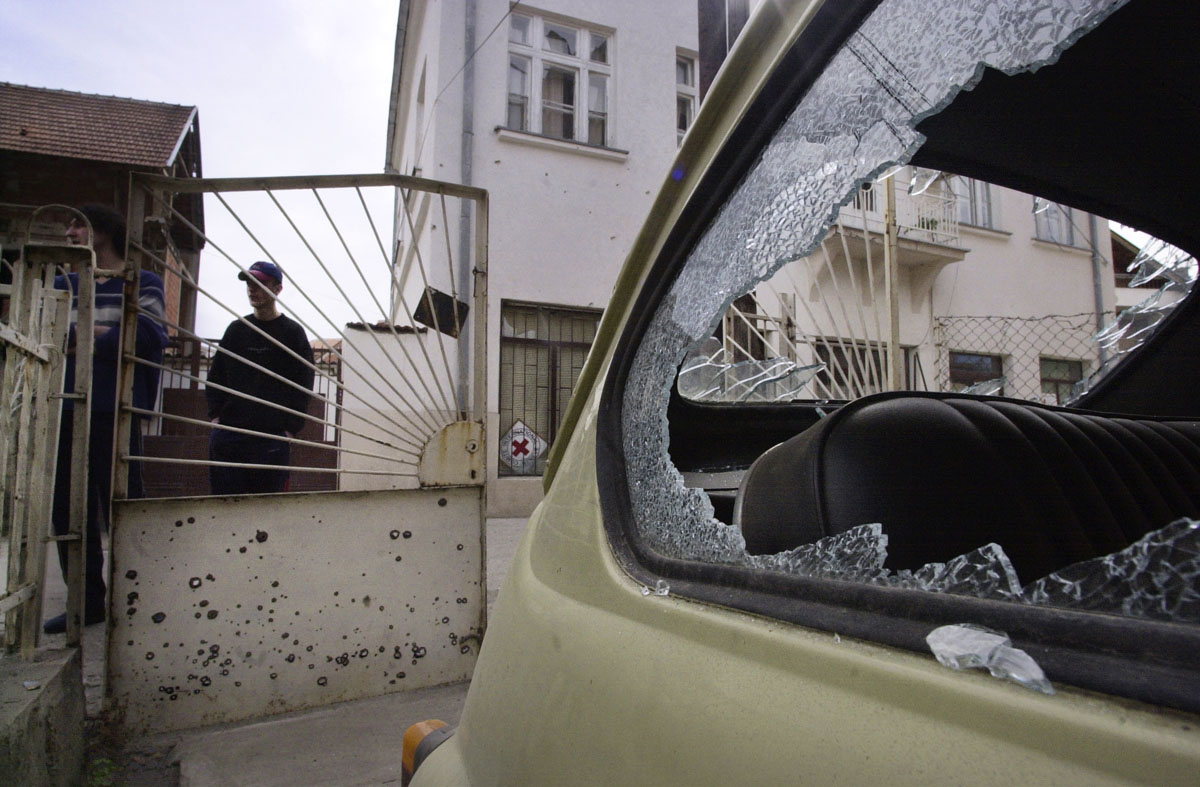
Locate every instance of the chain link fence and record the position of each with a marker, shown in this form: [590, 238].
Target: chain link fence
[1030, 351]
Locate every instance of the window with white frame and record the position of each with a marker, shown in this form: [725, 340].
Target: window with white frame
[685, 95]
[559, 79]
[1056, 223]
[974, 199]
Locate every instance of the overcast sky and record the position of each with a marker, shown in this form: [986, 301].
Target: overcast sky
[283, 88]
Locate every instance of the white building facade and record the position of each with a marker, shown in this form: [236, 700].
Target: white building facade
[569, 114]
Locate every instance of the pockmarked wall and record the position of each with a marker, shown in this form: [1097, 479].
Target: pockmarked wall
[234, 608]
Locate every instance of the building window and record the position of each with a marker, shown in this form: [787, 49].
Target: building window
[974, 201]
[542, 350]
[1055, 223]
[1059, 378]
[968, 369]
[685, 95]
[549, 65]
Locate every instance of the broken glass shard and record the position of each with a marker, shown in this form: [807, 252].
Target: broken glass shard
[707, 376]
[1156, 577]
[967, 646]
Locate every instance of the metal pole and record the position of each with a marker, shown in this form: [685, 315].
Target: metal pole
[892, 284]
[1097, 281]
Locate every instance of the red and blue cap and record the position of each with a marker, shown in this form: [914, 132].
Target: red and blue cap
[263, 271]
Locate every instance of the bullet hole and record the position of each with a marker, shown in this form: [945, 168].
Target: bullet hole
[131, 574]
[205, 681]
[191, 520]
[260, 536]
[237, 683]
[445, 620]
[343, 660]
[442, 502]
[382, 648]
[465, 649]
[418, 651]
[210, 577]
[212, 614]
[460, 547]
[131, 611]
[227, 663]
[291, 657]
[400, 675]
[178, 523]
[149, 655]
[259, 608]
[158, 617]
[312, 666]
[225, 672]
[241, 549]
[275, 584]
[321, 681]
[214, 649]
[397, 558]
[132, 597]
[462, 600]
[285, 635]
[204, 603]
[408, 534]
[197, 616]
[274, 675]
[309, 648]
[396, 654]
[129, 643]
[362, 654]
[194, 583]
[366, 601]
[453, 638]
[394, 534]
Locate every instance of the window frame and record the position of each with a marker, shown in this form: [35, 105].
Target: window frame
[975, 205]
[1072, 645]
[686, 93]
[555, 402]
[583, 68]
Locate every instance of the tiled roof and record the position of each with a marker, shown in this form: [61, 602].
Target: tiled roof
[87, 126]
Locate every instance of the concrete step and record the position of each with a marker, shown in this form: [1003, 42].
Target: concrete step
[346, 745]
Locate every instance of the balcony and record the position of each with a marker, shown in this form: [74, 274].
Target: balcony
[926, 223]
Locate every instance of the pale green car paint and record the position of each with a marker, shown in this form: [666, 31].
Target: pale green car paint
[585, 680]
[582, 679]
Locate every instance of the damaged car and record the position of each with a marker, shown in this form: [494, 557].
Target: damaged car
[885, 462]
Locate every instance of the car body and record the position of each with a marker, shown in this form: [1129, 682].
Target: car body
[634, 643]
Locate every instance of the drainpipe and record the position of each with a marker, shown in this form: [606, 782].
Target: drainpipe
[1097, 279]
[465, 244]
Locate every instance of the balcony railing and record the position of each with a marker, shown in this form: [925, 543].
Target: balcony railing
[929, 217]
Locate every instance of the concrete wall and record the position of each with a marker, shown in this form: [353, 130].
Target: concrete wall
[41, 720]
[235, 608]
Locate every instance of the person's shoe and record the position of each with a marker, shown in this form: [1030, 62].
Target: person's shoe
[58, 623]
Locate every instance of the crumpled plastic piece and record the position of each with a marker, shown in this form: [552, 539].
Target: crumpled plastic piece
[706, 377]
[1157, 577]
[661, 588]
[967, 646]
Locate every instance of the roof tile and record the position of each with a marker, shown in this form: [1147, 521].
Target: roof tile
[87, 126]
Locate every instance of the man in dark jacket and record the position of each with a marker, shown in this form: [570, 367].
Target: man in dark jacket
[242, 396]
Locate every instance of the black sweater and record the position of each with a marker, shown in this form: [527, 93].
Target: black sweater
[242, 340]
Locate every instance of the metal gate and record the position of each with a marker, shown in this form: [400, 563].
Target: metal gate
[236, 606]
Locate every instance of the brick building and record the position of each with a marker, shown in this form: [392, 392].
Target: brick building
[63, 147]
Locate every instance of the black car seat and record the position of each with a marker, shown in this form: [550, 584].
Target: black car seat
[947, 473]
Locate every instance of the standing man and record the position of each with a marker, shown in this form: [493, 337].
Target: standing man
[263, 338]
[108, 243]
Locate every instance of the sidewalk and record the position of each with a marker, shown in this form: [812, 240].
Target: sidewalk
[353, 743]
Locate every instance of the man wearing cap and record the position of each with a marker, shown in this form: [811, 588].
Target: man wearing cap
[245, 397]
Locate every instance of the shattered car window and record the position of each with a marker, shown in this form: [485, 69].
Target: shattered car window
[786, 297]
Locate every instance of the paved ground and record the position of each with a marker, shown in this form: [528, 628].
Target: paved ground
[354, 743]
